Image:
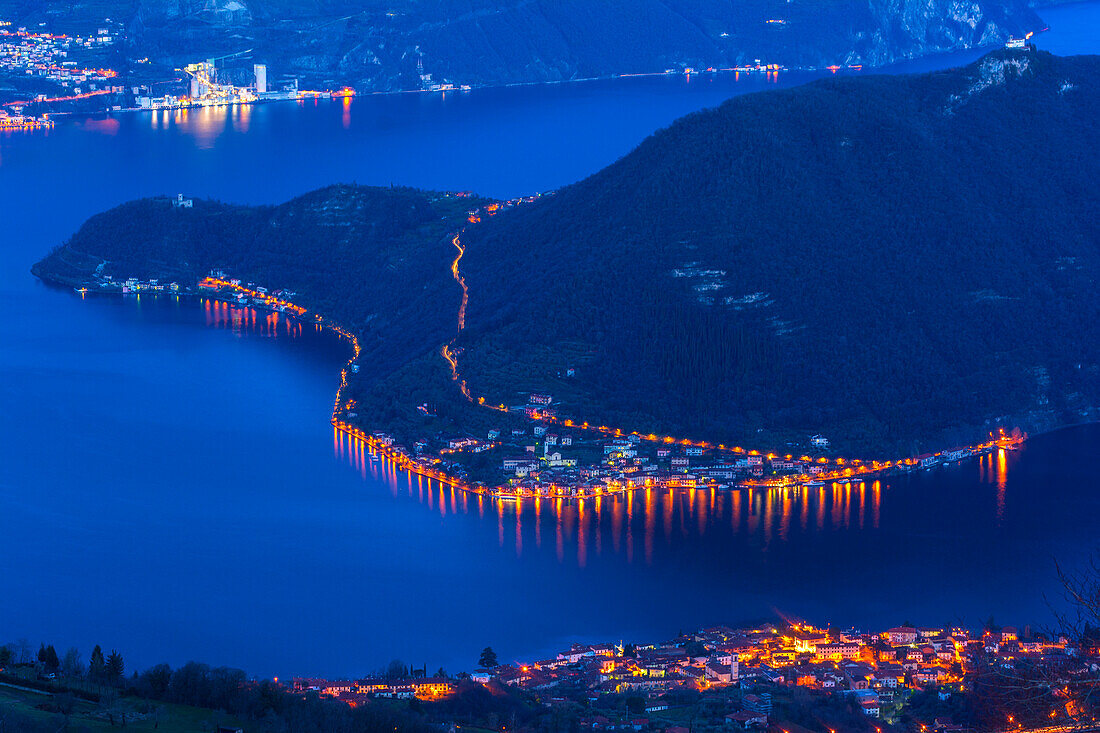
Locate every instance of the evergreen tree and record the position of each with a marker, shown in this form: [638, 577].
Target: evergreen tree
[488, 658]
[96, 665]
[50, 659]
[114, 667]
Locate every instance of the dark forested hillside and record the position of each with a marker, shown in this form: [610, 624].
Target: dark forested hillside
[890, 261]
[895, 262]
[375, 259]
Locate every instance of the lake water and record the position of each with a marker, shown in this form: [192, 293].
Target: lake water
[170, 485]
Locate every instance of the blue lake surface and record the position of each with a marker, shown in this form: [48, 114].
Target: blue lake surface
[170, 485]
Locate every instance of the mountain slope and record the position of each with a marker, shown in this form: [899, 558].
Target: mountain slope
[898, 263]
[892, 261]
[374, 259]
[373, 44]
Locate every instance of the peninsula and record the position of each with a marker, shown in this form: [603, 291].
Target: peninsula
[717, 308]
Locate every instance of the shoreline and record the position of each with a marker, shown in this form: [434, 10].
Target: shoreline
[768, 71]
[842, 471]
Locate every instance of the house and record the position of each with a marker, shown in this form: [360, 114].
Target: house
[334, 688]
[867, 699]
[182, 203]
[520, 466]
[457, 443]
[746, 719]
[758, 703]
[718, 673]
[902, 635]
[838, 650]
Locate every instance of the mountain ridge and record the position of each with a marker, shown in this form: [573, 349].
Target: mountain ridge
[685, 211]
[899, 263]
[373, 45]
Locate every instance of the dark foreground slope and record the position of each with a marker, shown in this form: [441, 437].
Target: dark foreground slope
[375, 259]
[894, 262]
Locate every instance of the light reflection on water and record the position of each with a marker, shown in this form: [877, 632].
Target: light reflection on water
[246, 320]
[191, 446]
[650, 518]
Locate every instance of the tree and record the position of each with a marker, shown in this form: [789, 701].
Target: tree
[6, 655]
[96, 665]
[47, 657]
[154, 681]
[1080, 626]
[488, 658]
[71, 663]
[114, 667]
[22, 651]
[397, 669]
[1059, 690]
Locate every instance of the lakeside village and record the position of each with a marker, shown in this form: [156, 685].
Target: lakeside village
[44, 60]
[57, 71]
[56, 60]
[543, 454]
[751, 675]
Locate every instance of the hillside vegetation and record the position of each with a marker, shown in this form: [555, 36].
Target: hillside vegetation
[898, 263]
[895, 262]
[375, 259]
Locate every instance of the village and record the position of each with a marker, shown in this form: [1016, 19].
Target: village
[560, 457]
[54, 67]
[535, 450]
[748, 671]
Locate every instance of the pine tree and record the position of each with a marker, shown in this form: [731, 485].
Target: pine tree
[114, 666]
[51, 660]
[488, 658]
[96, 664]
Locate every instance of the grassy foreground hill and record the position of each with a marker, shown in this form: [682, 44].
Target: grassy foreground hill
[899, 263]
